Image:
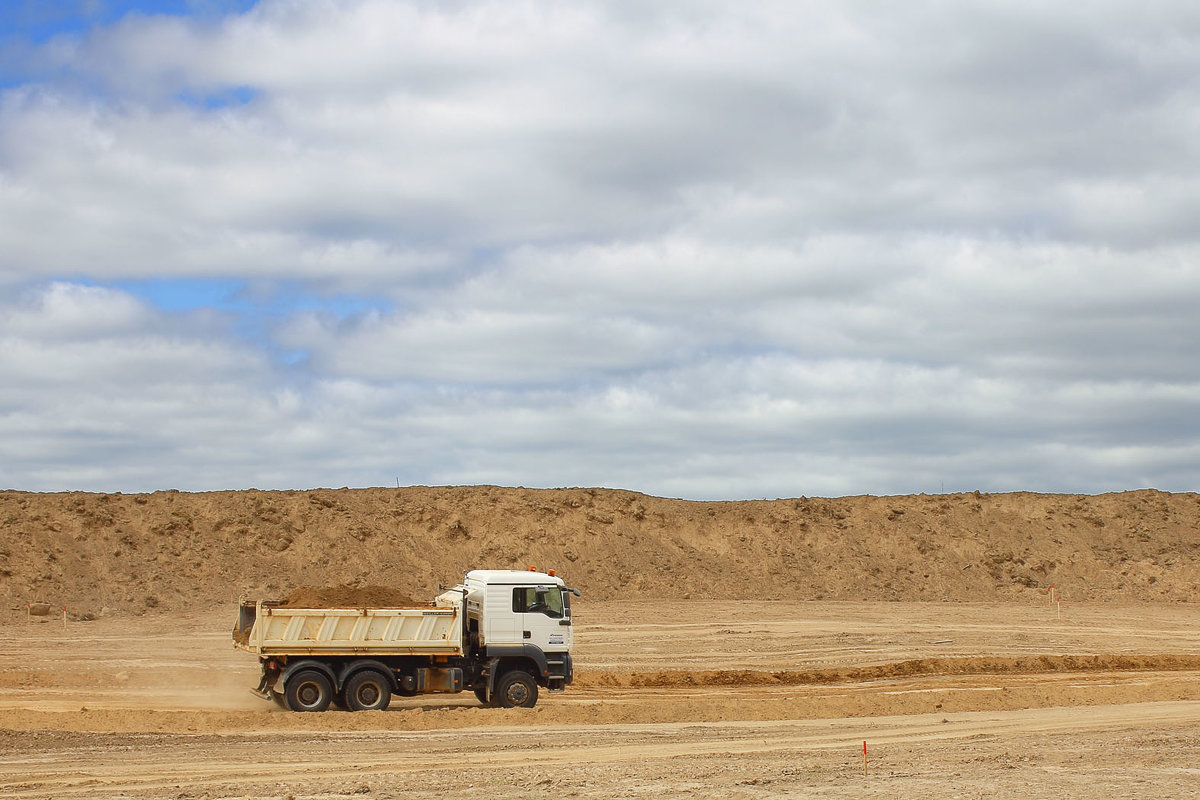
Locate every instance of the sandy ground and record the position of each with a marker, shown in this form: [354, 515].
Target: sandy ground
[674, 699]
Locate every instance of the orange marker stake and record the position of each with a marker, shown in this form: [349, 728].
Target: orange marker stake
[864, 759]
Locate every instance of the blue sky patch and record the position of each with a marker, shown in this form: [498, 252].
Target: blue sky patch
[255, 307]
[245, 297]
[226, 98]
[38, 21]
[28, 24]
[183, 294]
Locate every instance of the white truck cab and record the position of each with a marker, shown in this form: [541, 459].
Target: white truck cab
[526, 615]
[519, 607]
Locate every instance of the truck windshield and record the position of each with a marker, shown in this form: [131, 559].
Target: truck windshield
[538, 600]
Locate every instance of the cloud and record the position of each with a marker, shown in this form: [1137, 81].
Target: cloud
[404, 128]
[145, 402]
[687, 248]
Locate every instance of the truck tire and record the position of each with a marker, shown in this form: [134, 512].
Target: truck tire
[308, 690]
[515, 689]
[481, 695]
[368, 691]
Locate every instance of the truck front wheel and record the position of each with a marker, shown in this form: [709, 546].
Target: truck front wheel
[308, 690]
[515, 689]
[368, 691]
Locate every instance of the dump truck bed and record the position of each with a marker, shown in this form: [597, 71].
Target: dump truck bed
[266, 629]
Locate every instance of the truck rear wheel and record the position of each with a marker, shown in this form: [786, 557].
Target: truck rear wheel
[481, 695]
[515, 689]
[368, 691]
[308, 690]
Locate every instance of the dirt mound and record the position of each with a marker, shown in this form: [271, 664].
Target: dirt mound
[1024, 665]
[349, 597]
[132, 554]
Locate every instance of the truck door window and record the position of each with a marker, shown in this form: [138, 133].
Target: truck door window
[538, 600]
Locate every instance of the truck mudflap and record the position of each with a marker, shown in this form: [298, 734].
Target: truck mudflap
[263, 689]
[270, 676]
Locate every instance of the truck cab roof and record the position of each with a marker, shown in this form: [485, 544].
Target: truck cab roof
[512, 577]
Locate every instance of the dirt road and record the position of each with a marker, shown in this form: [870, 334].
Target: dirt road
[685, 699]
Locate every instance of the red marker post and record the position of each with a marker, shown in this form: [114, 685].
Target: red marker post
[864, 759]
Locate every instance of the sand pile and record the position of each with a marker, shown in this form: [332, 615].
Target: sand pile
[349, 597]
[130, 554]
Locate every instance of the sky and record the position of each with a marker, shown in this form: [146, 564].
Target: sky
[696, 249]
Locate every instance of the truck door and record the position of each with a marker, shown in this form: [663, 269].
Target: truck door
[544, 621]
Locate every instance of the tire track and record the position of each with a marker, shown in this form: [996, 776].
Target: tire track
[972, 665]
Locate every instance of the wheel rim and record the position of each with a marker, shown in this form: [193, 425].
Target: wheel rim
[368, 694]
[309, 693]
[517, 693]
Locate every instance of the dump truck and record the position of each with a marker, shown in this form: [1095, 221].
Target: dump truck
[500, 633]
